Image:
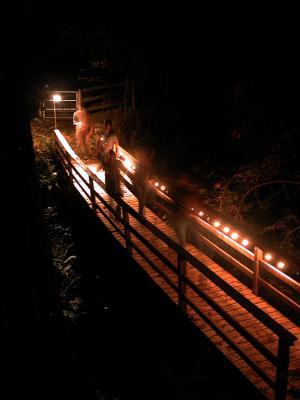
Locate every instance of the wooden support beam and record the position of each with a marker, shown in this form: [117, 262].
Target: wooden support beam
[258, 256]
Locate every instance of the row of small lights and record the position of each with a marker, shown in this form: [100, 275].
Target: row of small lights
[235, 236]
[128, 164]
[217, 224]
[161, 187]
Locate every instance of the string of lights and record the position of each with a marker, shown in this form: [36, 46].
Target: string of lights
[215, 223]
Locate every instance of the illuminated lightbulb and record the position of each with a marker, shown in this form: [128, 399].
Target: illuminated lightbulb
[162, 187]
[245, 242]
[156, 184]
[56, 98]
[192, 209]
[217, 224]
[268, 257]
[234, 236]
[226, 229]
[133, 167]
[127, 163]
[201, 213]
[281, 265]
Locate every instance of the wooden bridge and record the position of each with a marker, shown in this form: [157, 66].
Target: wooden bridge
[255, 336]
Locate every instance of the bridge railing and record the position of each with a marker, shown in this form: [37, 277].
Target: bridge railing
[64, 110]
[101, 97]
[174, 273]
[251, 263]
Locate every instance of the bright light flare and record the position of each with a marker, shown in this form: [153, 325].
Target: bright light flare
[201, 213]
[281, 264]
[245, 242]
[234, 235]
[217, 224]
[65, 144]
[226, 229]
[268, 257]
[127, 163]
[163, 187]
[56, 98]
[156, 184]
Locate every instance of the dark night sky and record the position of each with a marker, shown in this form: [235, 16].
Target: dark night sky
[206, 49]
[219, 37]
[60, 36]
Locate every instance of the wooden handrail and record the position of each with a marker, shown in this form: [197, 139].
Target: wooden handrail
[232, 344]
[269, 322]
[99, 97]
[196, 223]
[239, 298]
[100, 87]
[285, 338]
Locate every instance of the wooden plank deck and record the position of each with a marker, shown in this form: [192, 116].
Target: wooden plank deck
[254, 327]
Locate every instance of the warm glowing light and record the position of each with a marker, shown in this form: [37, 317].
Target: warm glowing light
[66, 144]
[127, 163]
[201, 213]
[56, 98]
[234, 235]
[281, 265]
[245, 242]
[163, 187]
[192, 208]
[156, 184]
[268, 257]
[217, 224]
[226, 229]
[133, 167]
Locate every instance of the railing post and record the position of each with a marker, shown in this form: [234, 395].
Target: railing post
[127, 231]
[181, 268]
[258, 255]
[92, 192]
[78, 99]
[282, 370]
[68, 157]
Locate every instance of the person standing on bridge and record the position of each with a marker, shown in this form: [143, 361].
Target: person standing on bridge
[113, 179]
[84, 130]
[141, 178]
[111, 141]
[107, 141]
[183, 194]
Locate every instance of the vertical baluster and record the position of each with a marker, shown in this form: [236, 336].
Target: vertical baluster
[283, 357]
[92, 193]
[127, 231]
[181, 268]
[258, 255]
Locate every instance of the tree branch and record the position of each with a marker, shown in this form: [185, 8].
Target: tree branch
[289, 234]
[261, 185]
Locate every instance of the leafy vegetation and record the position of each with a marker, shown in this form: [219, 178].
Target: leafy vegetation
[59, 232]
